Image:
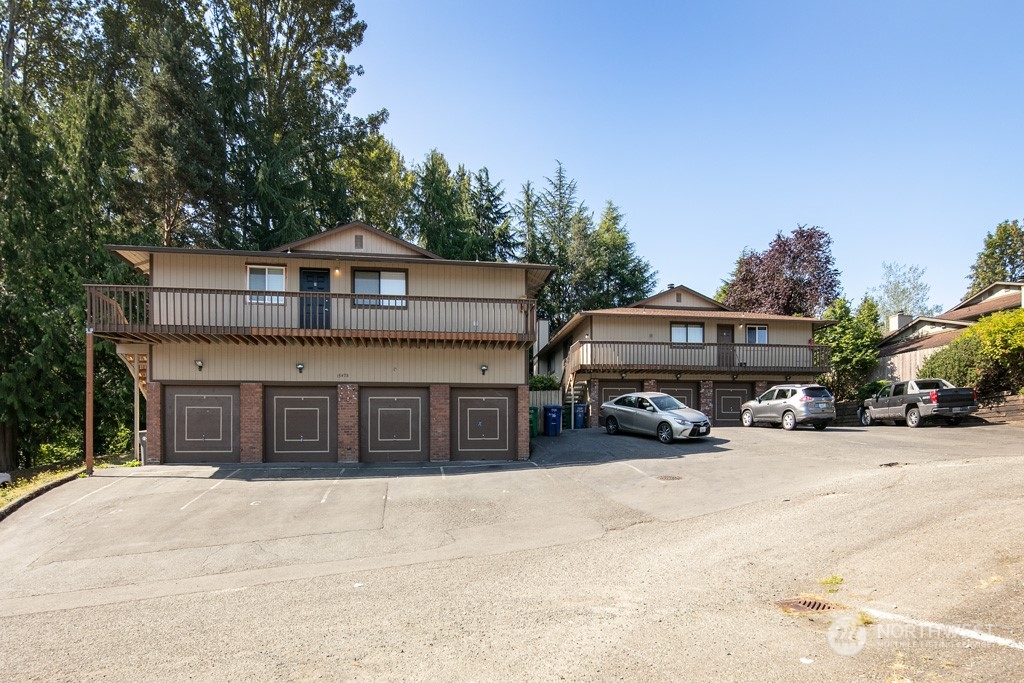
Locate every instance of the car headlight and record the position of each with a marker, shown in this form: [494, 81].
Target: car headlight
[682, 421]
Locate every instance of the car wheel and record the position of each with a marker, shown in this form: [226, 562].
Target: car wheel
[820, 426]
[747, 418]
[865, 418]
[665, 432]
[952, 421]
[611, 425]
[913, 418]
[788, 421]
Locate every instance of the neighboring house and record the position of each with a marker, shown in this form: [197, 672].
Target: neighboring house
[351, 345]
[685, 344]
[910, 341]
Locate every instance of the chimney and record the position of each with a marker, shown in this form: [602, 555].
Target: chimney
[898, 320]
[670, 286]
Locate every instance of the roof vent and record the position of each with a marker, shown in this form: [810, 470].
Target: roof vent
[359, 241]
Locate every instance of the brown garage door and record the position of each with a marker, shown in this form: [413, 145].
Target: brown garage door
[612, 388]
[483, 424]
[300, 424]
[687, 392]
[729, 396]
[201, 424]
[394, 424]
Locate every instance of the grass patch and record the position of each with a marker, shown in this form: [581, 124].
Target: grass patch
[25, 481]
[832, 583]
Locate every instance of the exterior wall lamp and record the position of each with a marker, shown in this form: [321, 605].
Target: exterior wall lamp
[678, 375]
[483, 369]
[199, 365]
[300, 367]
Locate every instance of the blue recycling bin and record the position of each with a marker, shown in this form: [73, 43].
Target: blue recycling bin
[553, 420]
[579, 415]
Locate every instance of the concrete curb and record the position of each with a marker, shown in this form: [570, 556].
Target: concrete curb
[35, 493]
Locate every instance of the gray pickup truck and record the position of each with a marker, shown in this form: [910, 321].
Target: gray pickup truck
[918, 400]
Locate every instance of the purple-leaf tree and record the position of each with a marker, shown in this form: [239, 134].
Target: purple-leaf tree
[796, 275]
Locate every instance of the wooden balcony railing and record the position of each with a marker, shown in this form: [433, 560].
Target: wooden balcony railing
[597, 356]
[161, 314]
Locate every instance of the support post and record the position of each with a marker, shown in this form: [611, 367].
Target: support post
[135, 451]
[89, 347]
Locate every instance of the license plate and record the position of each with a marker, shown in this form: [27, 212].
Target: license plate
[704, 430]
[823, 405]
[960, 410]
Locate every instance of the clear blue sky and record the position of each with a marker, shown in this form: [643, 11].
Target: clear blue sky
[896, 126]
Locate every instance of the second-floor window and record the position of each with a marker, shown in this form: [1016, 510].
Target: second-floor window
[266, 279]
[757, 334]
[383, 285]
[687, 333]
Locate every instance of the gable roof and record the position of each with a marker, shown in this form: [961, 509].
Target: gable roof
[680, 314]
[930, 341]
[680, 288]
[304, 243]
[906, 332]
[990, 305]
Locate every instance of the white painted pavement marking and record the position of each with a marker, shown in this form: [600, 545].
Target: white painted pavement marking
[946, 628]
[632, 468]
[211, 488]
[442, 473]
[328, 491]
[65, 507]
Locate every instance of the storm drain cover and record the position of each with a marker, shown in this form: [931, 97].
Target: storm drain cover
[806, 605]
[668, 477]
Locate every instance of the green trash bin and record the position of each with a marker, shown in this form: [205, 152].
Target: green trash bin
[534, 421]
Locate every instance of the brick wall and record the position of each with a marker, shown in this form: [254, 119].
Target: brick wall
[650, 385]
[250, 398]
[348, 423]
[707, 398]
[440, 422]
[595, 402]
[523, 422]
[760, 387]
[154, 423]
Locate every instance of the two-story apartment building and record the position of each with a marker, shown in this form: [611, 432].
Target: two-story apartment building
[909, 340]
[351, 345]
[686, 344]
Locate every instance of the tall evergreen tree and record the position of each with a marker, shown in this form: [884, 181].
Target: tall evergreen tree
[1001, 258]
[178, 151]
[492, 238]
[621, 275]
[441, 207]
[526, 212]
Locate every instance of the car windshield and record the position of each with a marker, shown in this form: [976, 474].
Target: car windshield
[666, 403]
[817, 392]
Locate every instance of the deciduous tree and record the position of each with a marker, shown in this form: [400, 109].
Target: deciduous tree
[903, 290]
[796, 275]
[853, 340]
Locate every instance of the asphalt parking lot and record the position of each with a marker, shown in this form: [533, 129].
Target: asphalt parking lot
[602, 558]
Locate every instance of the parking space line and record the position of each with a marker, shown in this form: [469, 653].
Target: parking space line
[65, 507]
[934, 627]
[632, 468]
[328, 491]
[211, 488]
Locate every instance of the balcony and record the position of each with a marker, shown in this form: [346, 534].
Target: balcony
[736, 359]
[156, 315]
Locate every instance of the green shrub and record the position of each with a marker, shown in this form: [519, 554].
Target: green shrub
[870, 389]
[959, 362]
[120, 442]
[544, 383]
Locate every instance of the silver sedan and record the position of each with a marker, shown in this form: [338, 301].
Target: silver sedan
[651, 412]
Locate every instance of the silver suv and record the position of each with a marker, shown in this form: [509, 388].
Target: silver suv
[789, 405]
